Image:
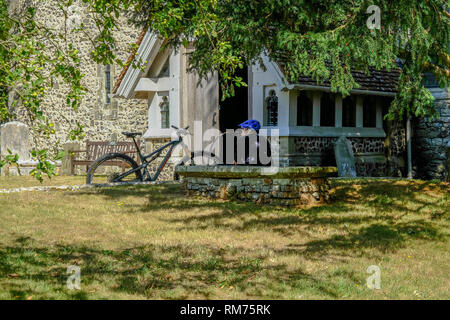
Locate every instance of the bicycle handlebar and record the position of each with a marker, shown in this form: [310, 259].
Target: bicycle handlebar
[181, 132]
[176, 128]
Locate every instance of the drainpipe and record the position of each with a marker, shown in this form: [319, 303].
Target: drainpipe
[408, 146]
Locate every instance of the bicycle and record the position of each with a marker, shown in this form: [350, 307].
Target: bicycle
[131, 171]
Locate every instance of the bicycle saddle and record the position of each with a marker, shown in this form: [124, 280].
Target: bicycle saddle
[132, 134]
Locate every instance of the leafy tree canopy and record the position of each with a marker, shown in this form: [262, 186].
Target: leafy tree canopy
[322, 38]
[310, 37]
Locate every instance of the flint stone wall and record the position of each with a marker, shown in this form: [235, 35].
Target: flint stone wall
[290, 186]
[370, 153]
[102, 121]
[431, 141]
[167, 174]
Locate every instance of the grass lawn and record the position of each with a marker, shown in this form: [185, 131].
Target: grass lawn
[152, 242]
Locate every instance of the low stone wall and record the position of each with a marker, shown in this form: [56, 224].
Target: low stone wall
[287, 186]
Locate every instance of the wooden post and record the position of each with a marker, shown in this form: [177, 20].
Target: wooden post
[338, 113]
[359, 112]
[316, 108]
[67, 163]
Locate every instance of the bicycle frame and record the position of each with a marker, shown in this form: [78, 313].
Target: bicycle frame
[153, 155]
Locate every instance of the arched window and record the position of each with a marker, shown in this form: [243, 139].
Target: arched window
[272, 109]
[164, 108]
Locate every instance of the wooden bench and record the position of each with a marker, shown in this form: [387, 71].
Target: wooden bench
[95, 149]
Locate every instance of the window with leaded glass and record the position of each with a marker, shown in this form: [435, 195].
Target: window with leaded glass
[272, 109]
[107, 84]
[164, 108]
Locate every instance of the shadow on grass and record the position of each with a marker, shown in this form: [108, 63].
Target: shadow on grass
[397, 211]
[160, 271]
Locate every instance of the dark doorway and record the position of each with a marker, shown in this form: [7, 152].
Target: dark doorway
[233, 110]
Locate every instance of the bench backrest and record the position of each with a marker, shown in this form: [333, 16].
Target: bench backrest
[95, 149]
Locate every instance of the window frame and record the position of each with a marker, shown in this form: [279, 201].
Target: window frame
[271, 95]
[108, 84]
[358, 130]
[164, 107]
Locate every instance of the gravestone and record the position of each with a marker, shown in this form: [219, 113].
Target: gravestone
[14, 136]
[345, 160]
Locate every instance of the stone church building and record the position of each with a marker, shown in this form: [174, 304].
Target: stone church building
[308, 117]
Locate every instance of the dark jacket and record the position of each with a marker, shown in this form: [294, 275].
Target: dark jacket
[255, 153]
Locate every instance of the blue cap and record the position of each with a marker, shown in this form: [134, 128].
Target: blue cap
[251, 124]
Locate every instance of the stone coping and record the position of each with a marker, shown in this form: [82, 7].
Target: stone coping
[233, 172]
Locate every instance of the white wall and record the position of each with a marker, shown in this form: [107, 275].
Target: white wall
[265, 81]
[262, 83]
[159, 87]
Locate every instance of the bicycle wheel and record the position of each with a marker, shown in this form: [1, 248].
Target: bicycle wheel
[109, 167]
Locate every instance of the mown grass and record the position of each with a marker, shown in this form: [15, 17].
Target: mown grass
[152, 242]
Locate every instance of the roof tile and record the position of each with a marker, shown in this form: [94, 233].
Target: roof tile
[377, 80]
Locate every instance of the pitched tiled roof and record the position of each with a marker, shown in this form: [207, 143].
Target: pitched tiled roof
[377, 80]
[129, 62]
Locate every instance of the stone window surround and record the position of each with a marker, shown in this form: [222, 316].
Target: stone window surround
[157, 88]
[102, 71]
[106, 107]
[157, 131]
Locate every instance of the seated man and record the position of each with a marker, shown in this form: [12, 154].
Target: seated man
[248, 148]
